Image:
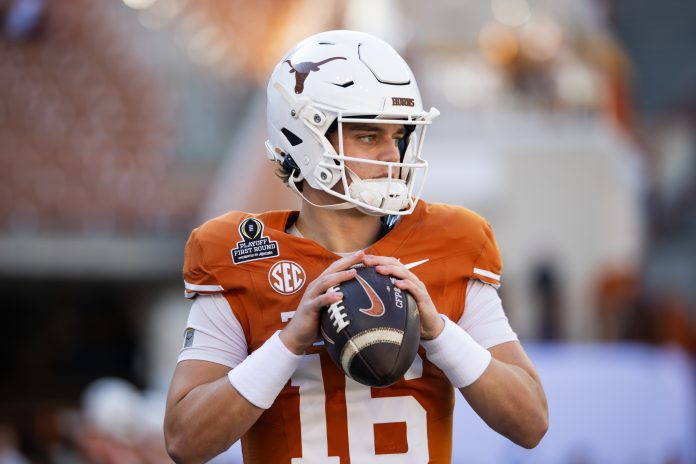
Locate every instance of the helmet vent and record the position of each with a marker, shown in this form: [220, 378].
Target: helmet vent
[326, 43]
[292, 138]
[344, 85]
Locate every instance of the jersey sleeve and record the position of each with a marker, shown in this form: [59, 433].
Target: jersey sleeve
[198, 275]
[488, 264]
[213, 333]
[484, 318]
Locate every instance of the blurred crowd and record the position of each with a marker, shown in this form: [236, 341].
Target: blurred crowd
[114, 424]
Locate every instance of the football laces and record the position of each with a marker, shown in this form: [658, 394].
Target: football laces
[337, 314]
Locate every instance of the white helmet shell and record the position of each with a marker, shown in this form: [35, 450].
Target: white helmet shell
[342, 77]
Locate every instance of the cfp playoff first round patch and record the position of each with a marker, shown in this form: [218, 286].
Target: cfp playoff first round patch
[254, 245]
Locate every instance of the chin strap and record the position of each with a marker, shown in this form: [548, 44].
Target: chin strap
[342, 205]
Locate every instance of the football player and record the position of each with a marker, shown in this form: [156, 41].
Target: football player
[346, 126]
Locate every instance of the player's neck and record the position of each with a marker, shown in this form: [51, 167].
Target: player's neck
[340, 231]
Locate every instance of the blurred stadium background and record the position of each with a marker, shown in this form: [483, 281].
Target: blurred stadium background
[569, 124]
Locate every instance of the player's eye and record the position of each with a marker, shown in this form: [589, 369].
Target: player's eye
[367, 138]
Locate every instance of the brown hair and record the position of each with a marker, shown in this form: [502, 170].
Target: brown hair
[282, 174]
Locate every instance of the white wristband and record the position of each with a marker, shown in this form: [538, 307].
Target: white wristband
[264, 373]
[457, 354]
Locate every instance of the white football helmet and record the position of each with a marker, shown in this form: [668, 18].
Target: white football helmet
[342, 77]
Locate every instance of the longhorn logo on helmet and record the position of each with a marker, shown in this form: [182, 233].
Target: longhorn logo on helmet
[302, 70]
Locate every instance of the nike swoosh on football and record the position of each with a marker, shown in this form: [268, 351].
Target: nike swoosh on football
[376, 308]
[416, 263]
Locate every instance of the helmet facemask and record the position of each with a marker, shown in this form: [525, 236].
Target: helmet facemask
[397, 192]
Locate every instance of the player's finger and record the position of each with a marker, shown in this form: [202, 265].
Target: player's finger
[325, 299]
[346, 262]
[326, 281]
[375, 260]
[417, 291]
[398, 271]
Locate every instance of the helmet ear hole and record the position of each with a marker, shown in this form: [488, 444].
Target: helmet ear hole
[291, 137]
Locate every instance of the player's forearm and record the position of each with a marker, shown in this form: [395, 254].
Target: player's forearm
[207, 421]
[511, 402]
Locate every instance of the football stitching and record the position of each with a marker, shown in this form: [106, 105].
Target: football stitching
[367, 338]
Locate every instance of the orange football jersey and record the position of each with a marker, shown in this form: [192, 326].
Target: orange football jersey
[321, 415]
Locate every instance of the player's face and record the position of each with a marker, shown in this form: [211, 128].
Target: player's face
[370, 141]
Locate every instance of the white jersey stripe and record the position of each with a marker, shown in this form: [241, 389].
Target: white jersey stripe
[484, 273]
[202, 288]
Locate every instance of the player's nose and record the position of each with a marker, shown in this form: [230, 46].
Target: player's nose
[389, 150]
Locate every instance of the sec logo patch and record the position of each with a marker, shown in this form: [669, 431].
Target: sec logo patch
[286, 277]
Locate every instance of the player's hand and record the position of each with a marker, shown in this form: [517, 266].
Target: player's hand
[431, 322]
[303, 328]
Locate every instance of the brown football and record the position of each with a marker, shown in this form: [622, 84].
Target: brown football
[373, 333]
